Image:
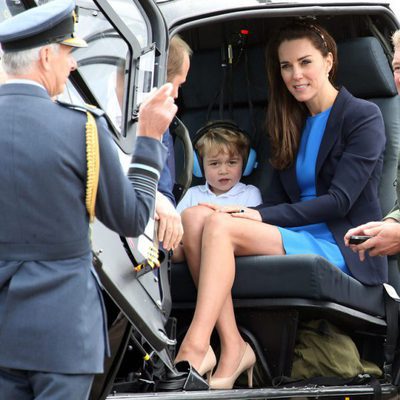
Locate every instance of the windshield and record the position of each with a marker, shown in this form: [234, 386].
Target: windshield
[104, 64]
[115, 46]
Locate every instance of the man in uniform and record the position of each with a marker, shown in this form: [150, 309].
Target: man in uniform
[52, 328]
[386, 233]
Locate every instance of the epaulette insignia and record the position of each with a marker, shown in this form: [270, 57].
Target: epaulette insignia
[83, 107]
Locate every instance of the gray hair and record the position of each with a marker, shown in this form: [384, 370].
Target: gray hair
[21, 62]
[396, 39]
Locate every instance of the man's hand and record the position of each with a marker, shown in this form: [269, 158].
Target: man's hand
[170, 229]
[156, 112]
[385, 240]
[360, 230]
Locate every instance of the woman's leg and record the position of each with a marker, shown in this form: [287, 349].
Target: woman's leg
[232, 343]
[193, 220]
[224, 237]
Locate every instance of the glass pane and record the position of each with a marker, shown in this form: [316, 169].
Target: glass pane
[127, 10]
[100, 61]
[146, 74]
[133, 19]
[103, 64]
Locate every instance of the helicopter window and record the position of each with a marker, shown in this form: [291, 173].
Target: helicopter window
[105, 64]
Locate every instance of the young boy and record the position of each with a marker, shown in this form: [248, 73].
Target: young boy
[222, 153]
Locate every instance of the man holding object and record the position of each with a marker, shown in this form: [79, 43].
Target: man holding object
[53, 336]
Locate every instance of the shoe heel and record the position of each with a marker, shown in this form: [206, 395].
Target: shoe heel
[208, 364]
[208, 375]
[250, 376]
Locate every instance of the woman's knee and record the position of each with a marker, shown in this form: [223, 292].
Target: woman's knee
[218, 224]
[195, 217]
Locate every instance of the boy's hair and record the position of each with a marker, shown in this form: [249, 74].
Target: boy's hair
[396, 39]
[221, 139]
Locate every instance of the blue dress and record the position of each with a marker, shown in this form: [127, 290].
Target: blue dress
[314, 238]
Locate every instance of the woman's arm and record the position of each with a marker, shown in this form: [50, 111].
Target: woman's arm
[364, 141]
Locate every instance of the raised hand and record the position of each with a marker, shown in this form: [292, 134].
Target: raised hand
[156, 112]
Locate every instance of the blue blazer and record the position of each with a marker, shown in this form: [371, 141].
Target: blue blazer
[348, 171]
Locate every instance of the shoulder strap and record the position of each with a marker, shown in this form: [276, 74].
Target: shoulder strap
[93, 165]
[97, 112]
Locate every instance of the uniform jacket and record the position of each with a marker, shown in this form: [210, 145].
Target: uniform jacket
[51, 316]
[348, 171]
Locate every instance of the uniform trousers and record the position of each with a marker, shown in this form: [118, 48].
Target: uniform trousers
[32, 385]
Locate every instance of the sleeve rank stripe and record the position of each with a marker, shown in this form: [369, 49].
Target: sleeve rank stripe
[145, 167]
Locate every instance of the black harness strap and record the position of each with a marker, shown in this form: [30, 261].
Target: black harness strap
[392, 322]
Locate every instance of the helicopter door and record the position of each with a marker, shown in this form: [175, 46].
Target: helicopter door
[119, 68]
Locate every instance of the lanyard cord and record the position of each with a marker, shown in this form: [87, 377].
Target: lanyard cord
[93, 165]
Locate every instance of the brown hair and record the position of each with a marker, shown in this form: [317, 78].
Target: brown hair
[286, 116]
[177, 50]
[222, 139]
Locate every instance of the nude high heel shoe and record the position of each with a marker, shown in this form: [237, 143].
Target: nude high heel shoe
[246, 364]
[208, 364]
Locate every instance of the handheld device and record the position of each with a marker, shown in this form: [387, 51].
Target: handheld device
[358, 239]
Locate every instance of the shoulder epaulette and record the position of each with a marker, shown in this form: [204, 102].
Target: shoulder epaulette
[83, 107]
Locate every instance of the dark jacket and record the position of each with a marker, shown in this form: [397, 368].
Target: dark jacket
[348, 171]
[51, 314]
[167, 178]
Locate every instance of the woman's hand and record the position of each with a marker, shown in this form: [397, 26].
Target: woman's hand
[214, 207]
[236, 211]
[246, 213]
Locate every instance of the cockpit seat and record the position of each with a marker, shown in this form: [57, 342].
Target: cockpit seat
[309, 283]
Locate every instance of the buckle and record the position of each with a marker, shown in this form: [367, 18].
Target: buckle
[387, 372]
[184, 378]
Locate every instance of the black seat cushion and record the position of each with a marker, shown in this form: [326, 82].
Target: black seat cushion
[309, 276]
[293, 276]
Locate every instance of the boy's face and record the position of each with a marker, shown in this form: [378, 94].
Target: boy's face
[222, 170]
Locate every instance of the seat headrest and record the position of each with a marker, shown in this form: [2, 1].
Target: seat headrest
[364, 68]
[206, 75]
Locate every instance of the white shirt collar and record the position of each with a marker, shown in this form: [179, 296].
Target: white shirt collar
[235, 190]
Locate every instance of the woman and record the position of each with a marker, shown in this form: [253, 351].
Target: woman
[327, 151]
